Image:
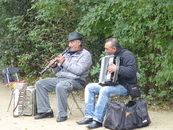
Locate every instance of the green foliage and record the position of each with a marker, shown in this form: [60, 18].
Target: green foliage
[34, 38]
[145, 28]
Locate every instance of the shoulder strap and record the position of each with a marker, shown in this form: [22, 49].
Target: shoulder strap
[117, 60]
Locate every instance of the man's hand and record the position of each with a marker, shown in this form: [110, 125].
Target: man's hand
[60, 58]
[111, 68]
[53, 63]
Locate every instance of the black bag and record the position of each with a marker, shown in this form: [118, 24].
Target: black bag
[115, 116]
[127, 117]
[134, 91]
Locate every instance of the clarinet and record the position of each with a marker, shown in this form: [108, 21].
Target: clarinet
[49, 65]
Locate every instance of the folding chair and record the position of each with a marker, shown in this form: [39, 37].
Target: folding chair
[8, 77]
[74, 95]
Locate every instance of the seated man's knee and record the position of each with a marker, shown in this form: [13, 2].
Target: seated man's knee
[103, 91]
[90, 85]
[63, 87]
[38, 83]
[59, 87]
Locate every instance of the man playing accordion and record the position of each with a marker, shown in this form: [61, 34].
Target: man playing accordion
[124, 75]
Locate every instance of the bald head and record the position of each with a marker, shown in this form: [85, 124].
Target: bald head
[114, 42]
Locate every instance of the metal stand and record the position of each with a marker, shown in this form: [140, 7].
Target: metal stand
[74, 101]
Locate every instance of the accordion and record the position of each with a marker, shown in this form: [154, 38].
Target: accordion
[105, 78]
[24, 101]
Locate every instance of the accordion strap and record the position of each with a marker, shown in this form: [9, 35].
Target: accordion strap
[115, 77]
[21, 98]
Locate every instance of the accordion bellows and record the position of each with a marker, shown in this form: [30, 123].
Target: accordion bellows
[106, 77]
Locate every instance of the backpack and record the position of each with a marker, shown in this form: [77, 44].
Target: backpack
[127, 117]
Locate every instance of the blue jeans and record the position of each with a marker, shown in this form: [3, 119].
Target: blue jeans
[97, 110]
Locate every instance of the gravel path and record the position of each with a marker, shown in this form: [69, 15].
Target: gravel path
[161, 120]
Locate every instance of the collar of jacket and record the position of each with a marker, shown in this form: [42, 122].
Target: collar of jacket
[77, 52]
[119, 51]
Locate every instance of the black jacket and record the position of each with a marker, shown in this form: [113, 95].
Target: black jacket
[128, 68]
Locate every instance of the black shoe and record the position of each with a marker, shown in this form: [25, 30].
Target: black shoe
[85, 121]
[94, 124]
[44, 115]
[61, 119]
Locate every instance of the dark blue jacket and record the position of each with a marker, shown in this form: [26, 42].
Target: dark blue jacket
[128, 68]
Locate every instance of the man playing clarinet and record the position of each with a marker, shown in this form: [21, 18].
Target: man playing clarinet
[71, 72]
